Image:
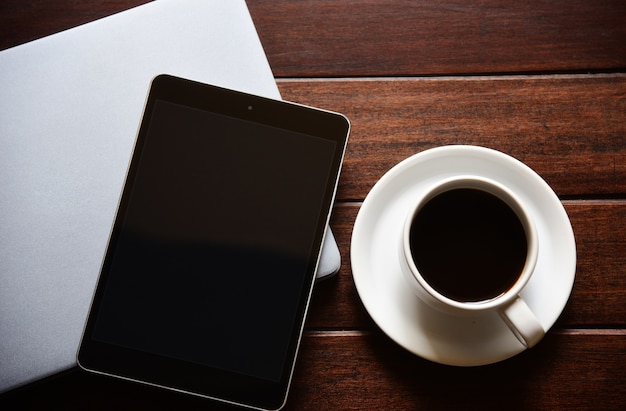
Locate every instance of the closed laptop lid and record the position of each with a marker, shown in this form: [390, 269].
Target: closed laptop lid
[70, 105]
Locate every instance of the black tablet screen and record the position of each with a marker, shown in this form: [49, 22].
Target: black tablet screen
[214, 242]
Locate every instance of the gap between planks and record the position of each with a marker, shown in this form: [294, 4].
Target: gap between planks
[464, 77]
[565, 331]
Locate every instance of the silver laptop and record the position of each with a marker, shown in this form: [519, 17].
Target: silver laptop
[70, 105]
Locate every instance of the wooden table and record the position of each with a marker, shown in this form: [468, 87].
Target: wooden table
[543, 81]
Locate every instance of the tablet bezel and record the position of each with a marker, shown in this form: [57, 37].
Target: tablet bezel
[188, 377]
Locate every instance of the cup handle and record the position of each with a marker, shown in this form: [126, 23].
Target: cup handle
[522, 322]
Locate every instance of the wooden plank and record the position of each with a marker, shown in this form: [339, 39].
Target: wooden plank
[379, 38]
[376, 374]
[367, 371]
[570, 129]
[598, 298]
[599, 294]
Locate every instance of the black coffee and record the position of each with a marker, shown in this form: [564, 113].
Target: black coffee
[468, 245]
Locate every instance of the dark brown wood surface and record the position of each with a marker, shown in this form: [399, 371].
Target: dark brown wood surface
[544, 81]
[405, 37]
[568, 128]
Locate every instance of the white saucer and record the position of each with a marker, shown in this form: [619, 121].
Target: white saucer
[439, 337]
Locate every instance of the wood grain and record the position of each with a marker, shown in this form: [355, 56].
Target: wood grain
[381, 38]
[564, 371]
[405, 38]
[599, 295]
[569, 129]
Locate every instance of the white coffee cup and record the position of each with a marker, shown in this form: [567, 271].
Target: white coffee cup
[470, 246]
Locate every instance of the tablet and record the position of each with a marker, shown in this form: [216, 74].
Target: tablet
[211, 260]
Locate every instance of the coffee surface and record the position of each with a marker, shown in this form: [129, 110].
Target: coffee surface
[468, 245]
